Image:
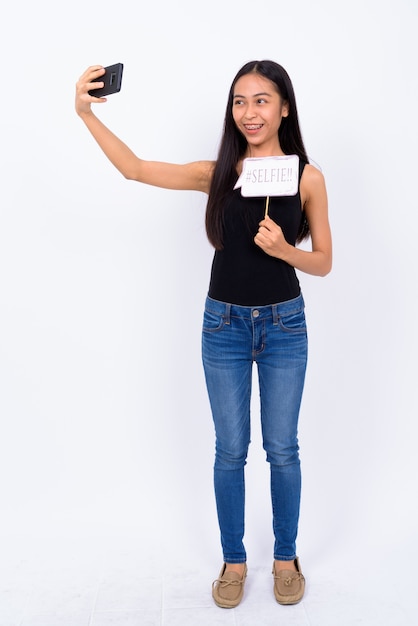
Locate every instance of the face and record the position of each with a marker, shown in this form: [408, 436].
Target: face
[258, 109]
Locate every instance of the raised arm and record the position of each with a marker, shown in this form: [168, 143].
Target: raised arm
[193, 176]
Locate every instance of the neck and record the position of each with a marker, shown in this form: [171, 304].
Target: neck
[263, 151]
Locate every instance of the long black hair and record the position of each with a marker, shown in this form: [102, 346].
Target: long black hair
[233, 146]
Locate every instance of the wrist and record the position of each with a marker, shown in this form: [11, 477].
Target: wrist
[288, 254]
[84, 114]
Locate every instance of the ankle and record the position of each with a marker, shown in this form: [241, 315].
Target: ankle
[285, 565]
[239, 568]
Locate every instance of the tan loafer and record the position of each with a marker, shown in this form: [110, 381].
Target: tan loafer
[228, 589]
[289, 586]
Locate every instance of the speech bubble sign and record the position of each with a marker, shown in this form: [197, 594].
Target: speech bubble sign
[269, 176]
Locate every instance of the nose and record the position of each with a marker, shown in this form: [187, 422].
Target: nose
[250, 112]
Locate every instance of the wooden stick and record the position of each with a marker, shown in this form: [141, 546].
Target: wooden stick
[266, 212]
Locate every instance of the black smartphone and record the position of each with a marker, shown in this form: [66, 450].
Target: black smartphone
[112, 81]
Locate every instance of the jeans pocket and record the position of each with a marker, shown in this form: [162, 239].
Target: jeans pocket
[212, 322]
[293, 322]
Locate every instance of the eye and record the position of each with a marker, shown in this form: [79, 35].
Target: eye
[261, 101]
[236, 102]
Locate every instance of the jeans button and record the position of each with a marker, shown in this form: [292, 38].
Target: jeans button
[256, 313]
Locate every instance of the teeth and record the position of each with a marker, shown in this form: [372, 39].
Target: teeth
[253, 126]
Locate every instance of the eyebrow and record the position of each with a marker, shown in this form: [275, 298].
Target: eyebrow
[256, 95]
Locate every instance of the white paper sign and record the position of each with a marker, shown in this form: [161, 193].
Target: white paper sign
[269, 176]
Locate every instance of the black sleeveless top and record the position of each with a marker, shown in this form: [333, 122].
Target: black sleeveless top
[242, 273]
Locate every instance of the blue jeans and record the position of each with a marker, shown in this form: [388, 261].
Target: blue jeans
[275, 338]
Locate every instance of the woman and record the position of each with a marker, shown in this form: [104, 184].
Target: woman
[254, 310]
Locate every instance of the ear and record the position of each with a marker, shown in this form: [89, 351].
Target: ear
[285, 109]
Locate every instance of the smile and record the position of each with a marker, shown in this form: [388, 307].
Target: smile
[253, 126]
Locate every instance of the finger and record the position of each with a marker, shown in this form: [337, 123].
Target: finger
[266, 222]
[85, 90]
[96, 67]
[95, 99]
[260, 239]
[94, 71]
[261, 244]
[263, 229]
[94, 85]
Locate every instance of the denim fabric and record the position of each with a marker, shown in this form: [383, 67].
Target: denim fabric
[275, 338]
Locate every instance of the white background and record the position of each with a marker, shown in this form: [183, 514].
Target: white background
[105, 423]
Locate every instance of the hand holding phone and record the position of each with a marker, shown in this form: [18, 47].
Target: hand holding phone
[112, 79]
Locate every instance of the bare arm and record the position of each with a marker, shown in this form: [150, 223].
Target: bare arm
[193, 176]
[270, 236]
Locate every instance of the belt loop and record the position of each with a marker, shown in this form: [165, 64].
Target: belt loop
[275, 314]
[227, 314]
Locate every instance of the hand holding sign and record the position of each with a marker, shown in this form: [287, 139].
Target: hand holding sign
[270, 238]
